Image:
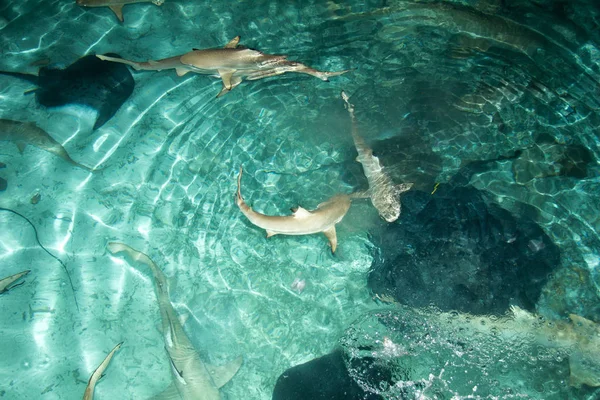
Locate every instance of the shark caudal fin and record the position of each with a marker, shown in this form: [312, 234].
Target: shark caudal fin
[99, 373]
[7, 283]
[132, 64]
[238, 197]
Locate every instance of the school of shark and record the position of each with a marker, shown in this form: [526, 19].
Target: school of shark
[105, 84]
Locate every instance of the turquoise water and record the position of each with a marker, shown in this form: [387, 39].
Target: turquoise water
[435, 85]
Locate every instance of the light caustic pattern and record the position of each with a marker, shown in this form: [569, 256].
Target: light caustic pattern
[433, 84]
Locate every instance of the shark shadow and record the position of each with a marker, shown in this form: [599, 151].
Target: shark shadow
[89, 81]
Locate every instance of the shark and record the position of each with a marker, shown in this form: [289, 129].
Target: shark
[115, 5]
[301, 222]
[192, 378]
[578, 336]
[7, 283]
[24, 133]
[383, 192]
[99, 373]
[232, 64]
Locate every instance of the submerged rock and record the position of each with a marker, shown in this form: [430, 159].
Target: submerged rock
[324, 378]
[456, 250]
[3, 184]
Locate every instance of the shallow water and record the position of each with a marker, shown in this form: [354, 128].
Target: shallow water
[435, 86]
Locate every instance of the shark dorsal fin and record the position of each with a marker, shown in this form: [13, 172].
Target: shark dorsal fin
[232, 43]
[223, 373]
[118, 10]
[301, 213]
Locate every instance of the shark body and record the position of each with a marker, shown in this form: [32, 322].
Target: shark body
[115, 5]
[231, 63]
[301, 222]
[5, 283]
[24, 133]
[192, 379]
[578, 336]
[384, 194]
[98, 373]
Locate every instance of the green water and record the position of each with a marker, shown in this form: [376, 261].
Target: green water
[455, 83]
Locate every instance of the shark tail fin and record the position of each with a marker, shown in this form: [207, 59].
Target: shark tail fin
[239, 199]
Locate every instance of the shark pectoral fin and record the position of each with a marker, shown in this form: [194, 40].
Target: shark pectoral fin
[301, 213]
[226, 75]
[21, 146]
[403, 187]
[223, 373]
[332, 236]
[183, 317]
[271, 233]
[118, 10]
[584, 370]
[232, 43]
[170, 393]
[181, 71]
[223, 92]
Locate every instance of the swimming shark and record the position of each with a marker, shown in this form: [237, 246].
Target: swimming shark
[192, 379]
[384, 194]
[578, 336]
[301, 222]
[99, 373]
[231, 63]
[115, 5]
[5, 283]
[24, 133]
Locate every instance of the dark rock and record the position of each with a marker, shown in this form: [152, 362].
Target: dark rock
[459, 251]
[3, 184]
[324, 378]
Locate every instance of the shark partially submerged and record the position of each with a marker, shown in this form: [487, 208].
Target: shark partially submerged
[231, 63]
[115, 5]
[384, 193]
[301, 222]
[24, 133]
[99, 373]
[7, 283]
[192, 379]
